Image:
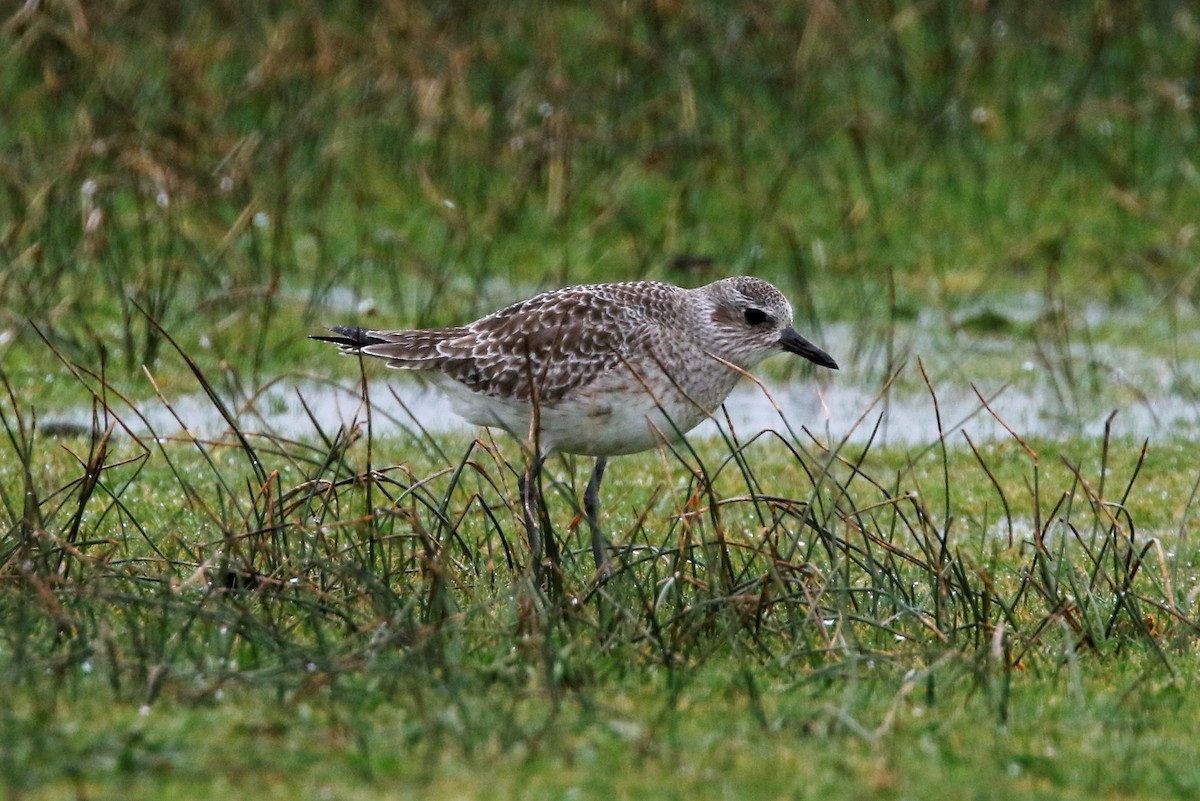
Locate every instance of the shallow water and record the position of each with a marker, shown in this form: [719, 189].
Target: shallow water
[832, 409]
[1154, 395]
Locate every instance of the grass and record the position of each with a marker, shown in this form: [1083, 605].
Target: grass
[225, 591]
[706, 738]
[957, 196]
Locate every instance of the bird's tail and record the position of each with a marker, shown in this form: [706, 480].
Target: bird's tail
[351, 339]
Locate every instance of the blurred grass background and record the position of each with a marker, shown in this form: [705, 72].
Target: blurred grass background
[232, 169]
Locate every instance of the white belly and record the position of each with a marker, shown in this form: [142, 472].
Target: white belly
[616, 417]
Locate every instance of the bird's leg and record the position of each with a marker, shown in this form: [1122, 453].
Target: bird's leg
[528, 484]
[542, 546]
[591, 507]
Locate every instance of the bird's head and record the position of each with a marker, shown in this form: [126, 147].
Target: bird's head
[753, 320]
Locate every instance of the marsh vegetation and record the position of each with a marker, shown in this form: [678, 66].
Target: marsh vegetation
[966, 203]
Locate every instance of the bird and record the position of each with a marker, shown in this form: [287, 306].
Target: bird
[596, 370]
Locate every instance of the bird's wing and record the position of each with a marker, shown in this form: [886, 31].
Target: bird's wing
[548, 347]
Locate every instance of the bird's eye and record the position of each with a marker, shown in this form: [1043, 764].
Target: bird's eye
[756, 316]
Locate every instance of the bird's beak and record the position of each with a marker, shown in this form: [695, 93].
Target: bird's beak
[792, 342]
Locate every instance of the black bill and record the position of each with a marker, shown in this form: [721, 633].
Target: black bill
[792, 342]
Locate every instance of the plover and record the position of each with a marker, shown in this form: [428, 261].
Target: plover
[598, 370]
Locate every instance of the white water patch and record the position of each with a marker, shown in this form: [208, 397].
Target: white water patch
[1034, 388]
[833, 409]
[1040, 386]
